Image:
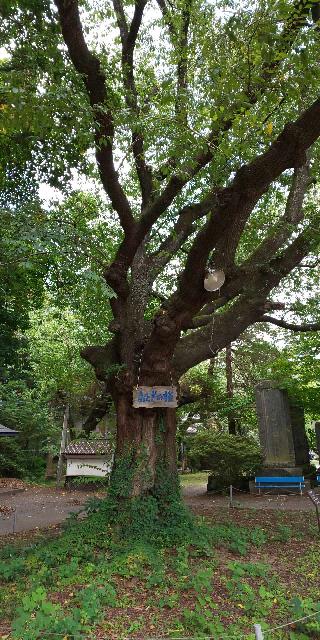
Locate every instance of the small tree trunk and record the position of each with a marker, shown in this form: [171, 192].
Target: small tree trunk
[64, 437]
[184, 460]
[145, 456]
[51, 467]
[232, 425]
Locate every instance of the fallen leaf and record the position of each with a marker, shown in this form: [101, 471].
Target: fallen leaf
[269, 128]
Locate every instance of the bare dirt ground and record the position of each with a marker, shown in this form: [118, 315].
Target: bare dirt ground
[202, 502]
[39, 507]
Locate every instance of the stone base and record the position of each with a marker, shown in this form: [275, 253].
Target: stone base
[215, 484]
[279, 471]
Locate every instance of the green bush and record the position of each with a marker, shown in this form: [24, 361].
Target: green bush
[11, 459]
[229, 457]
[22, 408]
[88, 482]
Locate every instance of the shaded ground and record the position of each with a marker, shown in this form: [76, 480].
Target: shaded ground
[40, 507]
[203, 503]
[168, 597]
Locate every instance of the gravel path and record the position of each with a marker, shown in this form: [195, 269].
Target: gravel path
[39, 507]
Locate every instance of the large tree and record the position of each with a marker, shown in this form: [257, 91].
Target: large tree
[204, 119]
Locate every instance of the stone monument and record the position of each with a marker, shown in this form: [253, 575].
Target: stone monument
[300, 440]
[282, 433]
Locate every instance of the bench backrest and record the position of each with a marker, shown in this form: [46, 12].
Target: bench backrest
[278, 480]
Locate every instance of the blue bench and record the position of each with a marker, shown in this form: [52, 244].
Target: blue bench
[275, 482]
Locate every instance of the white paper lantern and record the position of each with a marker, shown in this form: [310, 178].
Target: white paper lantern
[214, 280]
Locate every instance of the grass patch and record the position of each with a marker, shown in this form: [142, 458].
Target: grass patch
[194, 479]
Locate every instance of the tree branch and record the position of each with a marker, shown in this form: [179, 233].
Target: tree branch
[166, 16]
[225, 251]
[97, 412]
[226, 248]
[247, 309]
[128, 41]
[237, 201]
[182, 229]
[205, 318]
[88, 65]
[187, 396]
[310, 265]
[292, 216]
[312, 326]
[182, 67]
[234, 202]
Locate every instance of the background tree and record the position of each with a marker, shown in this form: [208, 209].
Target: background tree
[49, 282]
[22, 407]
[206, 147]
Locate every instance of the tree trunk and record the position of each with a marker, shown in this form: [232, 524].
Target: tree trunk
[145, 456]
[96, 414]
[64, 440]
[51, 467]
[232, 423]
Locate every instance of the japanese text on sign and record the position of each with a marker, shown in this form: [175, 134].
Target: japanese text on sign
[155, 397]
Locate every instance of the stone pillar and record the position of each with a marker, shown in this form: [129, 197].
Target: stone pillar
[281, 429]
[300, 440]
[317, 429]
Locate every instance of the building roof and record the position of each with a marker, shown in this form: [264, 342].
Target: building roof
[99, 447]
[5, 431]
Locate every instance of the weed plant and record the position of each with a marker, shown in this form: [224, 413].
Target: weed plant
[122, 549]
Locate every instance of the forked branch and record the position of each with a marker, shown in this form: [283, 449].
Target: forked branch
[88, 66]
[237, 201]
[247, 309]
[309, 326]
[182, 66]
[182, 229]
[128, 35]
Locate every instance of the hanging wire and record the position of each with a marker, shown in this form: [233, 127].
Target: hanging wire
[211, 338]
[139, 367]
[289, 624]
[211, 334]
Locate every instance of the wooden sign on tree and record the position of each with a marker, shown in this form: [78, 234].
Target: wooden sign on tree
[150, 397]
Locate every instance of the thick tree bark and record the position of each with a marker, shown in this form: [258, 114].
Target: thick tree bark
[145, 448]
